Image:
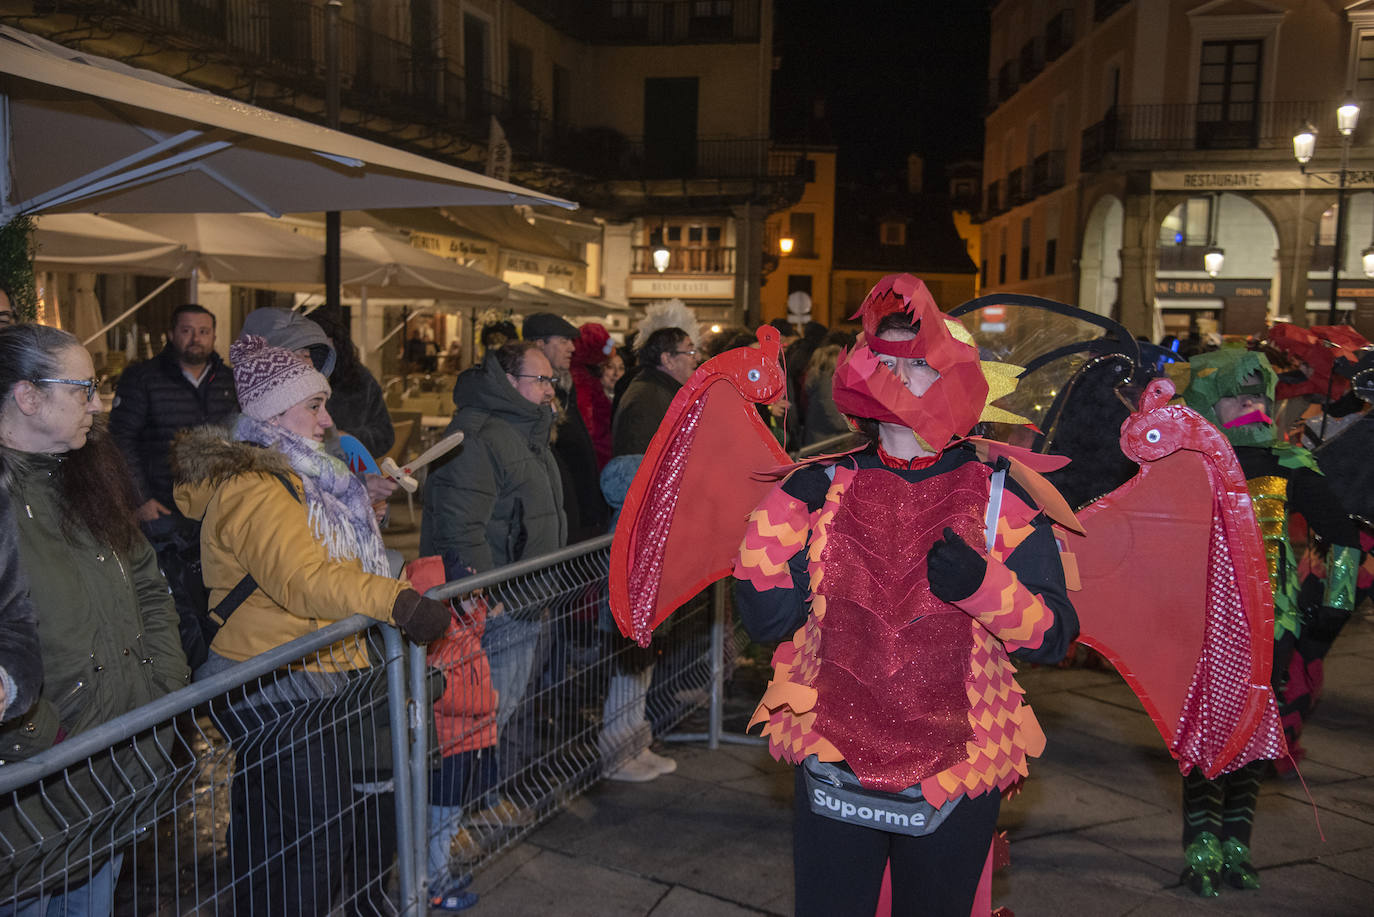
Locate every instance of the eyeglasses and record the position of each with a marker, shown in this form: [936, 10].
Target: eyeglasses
[542, 380]
[684, 353]
[90, 385]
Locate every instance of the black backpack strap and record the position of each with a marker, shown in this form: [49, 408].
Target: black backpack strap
[246, 586]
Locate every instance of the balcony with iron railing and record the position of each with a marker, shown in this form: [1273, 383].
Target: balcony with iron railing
[992, 201]
[1058, 35]
[715, 260]
[604, 153]
[1032, 58]
[1047, 172]
[1180, 127]
[1016, 187]
[279, 47]
[652, 22]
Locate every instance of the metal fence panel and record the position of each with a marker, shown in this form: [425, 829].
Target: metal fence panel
[576, 703]
[298, 782]
[265, 789]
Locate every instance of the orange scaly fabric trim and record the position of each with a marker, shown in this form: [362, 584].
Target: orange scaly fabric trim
[777, 531]
[1004, 729]
[791, 733]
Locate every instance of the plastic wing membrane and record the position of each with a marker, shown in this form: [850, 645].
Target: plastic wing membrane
[706, 469]
[1178, 539]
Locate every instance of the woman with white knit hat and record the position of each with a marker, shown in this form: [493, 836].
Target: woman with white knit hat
[276, 507]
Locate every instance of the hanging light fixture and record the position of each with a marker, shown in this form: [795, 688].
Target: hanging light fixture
[659, 251]
[1347, 116]
[1305, 143]
[1212, 260]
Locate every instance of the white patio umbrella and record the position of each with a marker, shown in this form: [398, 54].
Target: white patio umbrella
[237, 248]
[384, 264]
[87, 242]
[85, 133]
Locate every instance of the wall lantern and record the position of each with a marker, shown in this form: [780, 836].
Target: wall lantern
[1305, 143]
[1213, 259]
[785, 244]
[660, 252]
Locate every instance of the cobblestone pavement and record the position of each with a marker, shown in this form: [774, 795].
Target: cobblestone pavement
[1096, 831]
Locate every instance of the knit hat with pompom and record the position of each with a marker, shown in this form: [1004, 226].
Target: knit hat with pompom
[271, 380]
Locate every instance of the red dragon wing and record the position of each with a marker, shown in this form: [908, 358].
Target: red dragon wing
[704, 472]
[1174, 589]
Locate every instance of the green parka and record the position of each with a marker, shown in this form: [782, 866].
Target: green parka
[498, 497]
[108, 632]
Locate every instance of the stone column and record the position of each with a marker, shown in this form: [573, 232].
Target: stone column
[749, 236]
[1294, 216]
[1135, 292]
[616, 261]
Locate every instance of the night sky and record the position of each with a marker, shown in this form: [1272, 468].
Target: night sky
[897, 77]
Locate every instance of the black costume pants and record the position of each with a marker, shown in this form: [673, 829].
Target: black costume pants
[838, 867]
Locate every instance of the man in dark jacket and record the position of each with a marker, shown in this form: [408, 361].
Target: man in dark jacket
[666, 360]
[582, 501]
[494, 500]
[186, 385]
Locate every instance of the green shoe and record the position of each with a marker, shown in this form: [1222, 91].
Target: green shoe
[1237, 869]
[1203, 859]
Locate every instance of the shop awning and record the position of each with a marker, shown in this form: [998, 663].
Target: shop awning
[86, 133]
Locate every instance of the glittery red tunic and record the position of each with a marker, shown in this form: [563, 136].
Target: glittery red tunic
[905, 688]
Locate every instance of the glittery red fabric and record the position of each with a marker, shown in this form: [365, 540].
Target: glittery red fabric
[662, 497]
[895, 659]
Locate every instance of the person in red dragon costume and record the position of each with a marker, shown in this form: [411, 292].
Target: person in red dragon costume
[903, 574]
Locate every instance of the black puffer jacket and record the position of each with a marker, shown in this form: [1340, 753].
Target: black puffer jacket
[154, 401]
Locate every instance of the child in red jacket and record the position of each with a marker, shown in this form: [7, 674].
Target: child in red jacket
[465, 721]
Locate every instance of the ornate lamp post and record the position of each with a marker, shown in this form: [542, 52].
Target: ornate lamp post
[1304, 145]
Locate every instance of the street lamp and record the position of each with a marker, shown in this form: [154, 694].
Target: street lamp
[1213, 257]
[659, 252]
[785, 244]
[1304, 145]
[1212, 260]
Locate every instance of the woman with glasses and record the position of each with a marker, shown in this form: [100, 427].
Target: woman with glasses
[106, 623]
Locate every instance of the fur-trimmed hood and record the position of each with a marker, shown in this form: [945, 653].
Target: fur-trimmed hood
[203, 458]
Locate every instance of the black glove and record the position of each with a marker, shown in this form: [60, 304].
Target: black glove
[421, 620]
[955, 570]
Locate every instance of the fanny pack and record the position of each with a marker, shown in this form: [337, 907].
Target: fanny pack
[834, 792]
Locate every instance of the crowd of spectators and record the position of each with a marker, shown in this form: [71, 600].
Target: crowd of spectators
[212, 517]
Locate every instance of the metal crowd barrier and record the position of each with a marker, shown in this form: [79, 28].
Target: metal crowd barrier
[299, 782]
[559, 729]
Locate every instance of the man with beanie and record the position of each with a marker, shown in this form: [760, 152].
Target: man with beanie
[186, 385]
[582, 501]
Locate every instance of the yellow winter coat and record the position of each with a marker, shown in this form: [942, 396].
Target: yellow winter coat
[250, 524]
